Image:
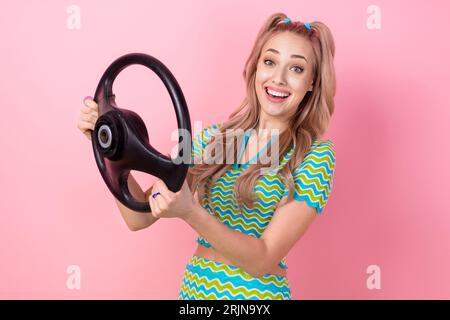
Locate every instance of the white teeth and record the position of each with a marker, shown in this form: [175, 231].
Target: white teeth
[276, 93]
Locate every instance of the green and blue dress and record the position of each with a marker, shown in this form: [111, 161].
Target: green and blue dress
[207, 279]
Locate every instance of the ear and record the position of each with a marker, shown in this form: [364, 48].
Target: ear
[311, 86]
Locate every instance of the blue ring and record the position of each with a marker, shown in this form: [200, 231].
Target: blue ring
[155, 194]
[307, 25]
[287, 20]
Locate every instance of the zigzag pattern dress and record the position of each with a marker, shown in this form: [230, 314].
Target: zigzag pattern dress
[207, 279]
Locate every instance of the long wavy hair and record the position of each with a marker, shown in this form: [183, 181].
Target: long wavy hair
[309, 122]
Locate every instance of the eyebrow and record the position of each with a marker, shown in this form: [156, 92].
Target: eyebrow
[292, 56]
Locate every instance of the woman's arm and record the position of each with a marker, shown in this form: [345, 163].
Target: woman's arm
[136, 220]
[257, 256]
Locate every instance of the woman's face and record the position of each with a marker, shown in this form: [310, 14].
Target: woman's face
[285, 65]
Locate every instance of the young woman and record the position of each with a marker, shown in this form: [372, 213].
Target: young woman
[249, 218]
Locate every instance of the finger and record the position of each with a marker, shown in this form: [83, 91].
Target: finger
[85, 125]
[85, 112]
[90, 103]
[165, 192]
[88, 117]
[88, 110]
[154, 207]
[166, 198]
[87, 98]
[158, 186]
[161, 202]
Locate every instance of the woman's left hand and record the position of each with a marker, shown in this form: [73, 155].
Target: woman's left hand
[168, 204]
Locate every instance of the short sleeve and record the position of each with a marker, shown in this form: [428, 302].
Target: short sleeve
[200, 141]
[313, 178]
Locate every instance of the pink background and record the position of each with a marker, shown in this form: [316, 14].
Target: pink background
[390, 198]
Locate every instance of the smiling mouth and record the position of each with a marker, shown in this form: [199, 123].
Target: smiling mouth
[272, 96]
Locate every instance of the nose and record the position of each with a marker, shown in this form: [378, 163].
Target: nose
[279, 77]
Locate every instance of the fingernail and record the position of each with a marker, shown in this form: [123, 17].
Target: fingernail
[87, 97]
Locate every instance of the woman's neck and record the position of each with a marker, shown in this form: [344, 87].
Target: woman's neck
[269, 129]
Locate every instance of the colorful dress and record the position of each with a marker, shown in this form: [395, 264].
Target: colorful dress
[207, 279]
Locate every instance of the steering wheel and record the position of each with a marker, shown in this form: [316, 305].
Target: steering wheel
[120, 139]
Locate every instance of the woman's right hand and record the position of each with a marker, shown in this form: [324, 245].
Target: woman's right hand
[88, 116]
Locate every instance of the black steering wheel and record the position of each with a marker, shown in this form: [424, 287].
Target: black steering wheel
[120, 139]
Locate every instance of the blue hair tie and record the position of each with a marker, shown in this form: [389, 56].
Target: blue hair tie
[307, 25]
[287, 20]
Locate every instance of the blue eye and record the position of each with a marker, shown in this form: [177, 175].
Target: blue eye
[301, 69]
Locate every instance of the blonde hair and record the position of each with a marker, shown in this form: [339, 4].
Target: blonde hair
[309, 122]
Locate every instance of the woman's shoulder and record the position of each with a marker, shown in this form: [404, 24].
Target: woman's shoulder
[212, 128]
[323, 142]
[321, 151]
[207, 131]
[322, 146]
[201, 138]
[313, 178]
